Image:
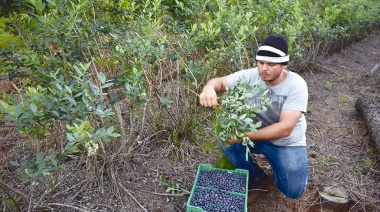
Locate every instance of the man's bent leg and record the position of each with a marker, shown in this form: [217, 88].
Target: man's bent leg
[289, 165]
[236, 154]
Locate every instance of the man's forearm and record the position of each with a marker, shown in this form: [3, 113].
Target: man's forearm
[272, 132]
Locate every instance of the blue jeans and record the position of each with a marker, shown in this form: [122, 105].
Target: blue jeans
[289, 164]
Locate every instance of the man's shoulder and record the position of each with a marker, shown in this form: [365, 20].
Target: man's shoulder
[296, 78]
[295, 75]
[249, 70]
[251, 74]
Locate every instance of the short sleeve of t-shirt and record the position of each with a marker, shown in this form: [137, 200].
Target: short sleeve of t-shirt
[297, 96]
[251, 74]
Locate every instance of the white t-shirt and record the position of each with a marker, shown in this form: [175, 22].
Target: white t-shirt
[291, 94]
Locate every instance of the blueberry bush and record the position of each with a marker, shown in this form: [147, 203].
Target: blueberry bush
[233, 117]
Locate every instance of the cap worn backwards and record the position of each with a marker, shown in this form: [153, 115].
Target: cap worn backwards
[274, 49]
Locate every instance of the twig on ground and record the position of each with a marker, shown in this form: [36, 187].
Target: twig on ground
[106, 206]
[129, 193]
[72, 187]
[69, 206]
[327, 69]
[31, 195]
[366, 197]
[11, 197]
[373, 170]
[161, 194]
[3, 184]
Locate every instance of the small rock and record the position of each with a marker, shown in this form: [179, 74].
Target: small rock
[312, 154]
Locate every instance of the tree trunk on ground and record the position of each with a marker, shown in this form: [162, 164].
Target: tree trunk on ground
[373, 70]
[335, 199]
[369, 107]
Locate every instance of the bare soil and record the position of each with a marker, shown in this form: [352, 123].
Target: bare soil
[341, 153]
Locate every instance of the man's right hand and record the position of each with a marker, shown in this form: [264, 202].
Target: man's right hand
[208, 97]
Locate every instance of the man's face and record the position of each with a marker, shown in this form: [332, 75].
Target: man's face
[270, 72]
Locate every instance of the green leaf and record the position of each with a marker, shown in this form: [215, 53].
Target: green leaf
[107, 85]
[248, 120]
[19, 170]
[78, 94]
[39, 156]
[61, 167]
[233, 116]
[78, 70]
[54, 162]
[18, 110]
[14, 163]
[102, 78]
[71, 100]
[33, 108]
[224, 125]
[41, 6]
[68, 89]
[240, 134]
[257, 110]
[115, 135]
[247, 153]
[55, 113]
[110, 130]
[23, 162]
[58, 86]
[95, 89]
[258, 124]
[243, 116]
[41, 165]
[70, 137]
[249, 95]
[51, 2]
[70, 148]
[4, 105]
[166, 102]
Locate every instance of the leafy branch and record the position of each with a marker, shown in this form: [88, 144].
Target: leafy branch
[235, 117]
[172, 188]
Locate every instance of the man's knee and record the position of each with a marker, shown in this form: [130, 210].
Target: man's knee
[294, 192]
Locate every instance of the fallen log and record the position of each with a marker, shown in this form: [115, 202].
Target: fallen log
[375, 68]
[369, 107]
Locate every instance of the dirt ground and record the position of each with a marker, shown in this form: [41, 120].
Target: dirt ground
[341, 153]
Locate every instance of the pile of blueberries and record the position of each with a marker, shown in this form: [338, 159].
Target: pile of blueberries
[224, 180]
[216, 200]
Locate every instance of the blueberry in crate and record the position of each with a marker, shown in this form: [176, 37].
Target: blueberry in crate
[224, 180]
[217, 189]
[217, 200]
